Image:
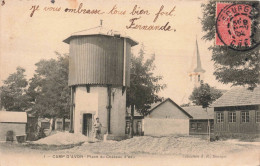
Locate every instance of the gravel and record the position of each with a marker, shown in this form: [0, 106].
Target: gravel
[172, 145]
[62, 138]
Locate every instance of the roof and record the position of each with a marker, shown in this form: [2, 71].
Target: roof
[197, 112]
[239, 96]
[60, 120]
[15, 117]
[100, 31]
[156, 105]
[44, 120]
[196, 62]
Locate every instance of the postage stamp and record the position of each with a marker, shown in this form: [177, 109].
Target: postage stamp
[236, 26]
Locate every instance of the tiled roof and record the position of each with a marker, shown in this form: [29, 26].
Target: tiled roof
[197, 112]
[239, 97]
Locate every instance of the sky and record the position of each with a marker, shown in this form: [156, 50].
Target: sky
[25, 40]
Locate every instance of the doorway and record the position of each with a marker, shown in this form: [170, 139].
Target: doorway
[87, 125]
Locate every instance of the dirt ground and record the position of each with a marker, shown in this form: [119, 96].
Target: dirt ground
[165, 150]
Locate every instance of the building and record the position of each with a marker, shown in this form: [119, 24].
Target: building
[45, 123]
[166, 118]
[99, 73]
[201, 119]
[138, 123]
[195, 74]
[12, 124]
[59, 124]
[237, 111]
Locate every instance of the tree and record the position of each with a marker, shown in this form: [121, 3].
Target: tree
[204, 95]
[13, 92]
[49, 88]
[144, 85]
[185, 105]
[231, 66]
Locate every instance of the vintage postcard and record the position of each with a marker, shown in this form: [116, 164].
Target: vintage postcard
[129, 82]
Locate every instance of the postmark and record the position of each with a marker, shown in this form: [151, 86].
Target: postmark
[236, 26]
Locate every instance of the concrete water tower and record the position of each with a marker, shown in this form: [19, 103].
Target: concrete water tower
[99, 73]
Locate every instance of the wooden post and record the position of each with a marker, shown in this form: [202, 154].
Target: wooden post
[208, 125]
[132, 120]
[53, 123]
[63, 123]
[124, 67]
[71, 108]
[209, 130]
[109, 106]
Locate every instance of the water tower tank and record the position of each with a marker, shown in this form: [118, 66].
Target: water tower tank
[99, 73]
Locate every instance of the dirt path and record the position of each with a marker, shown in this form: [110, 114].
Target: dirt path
[135, 151]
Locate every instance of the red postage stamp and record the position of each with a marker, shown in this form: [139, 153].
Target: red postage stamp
[234, 26]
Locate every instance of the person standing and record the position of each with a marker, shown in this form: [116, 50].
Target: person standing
[97, 126]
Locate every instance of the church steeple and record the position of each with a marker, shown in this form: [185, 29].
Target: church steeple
[196, 71]
[198, 67]
[196, 62]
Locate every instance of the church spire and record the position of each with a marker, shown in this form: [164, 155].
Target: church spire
[195, 73]
[198, 67]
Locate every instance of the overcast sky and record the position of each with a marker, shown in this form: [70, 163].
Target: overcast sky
[25, 40]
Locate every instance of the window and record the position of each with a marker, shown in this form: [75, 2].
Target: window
[257, 116]
[67, 125]
[232, 117]
[198, 78]
[211, 126]
[220, 117]
[139, 128]
[193, 126]
[59, 125]
[45, 125]
[199, 126]
[245, 116]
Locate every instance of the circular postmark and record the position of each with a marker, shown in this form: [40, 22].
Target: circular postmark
[235, 26]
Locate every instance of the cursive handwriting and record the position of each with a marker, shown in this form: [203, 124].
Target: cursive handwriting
[161, 13]
[114, 10]
[132, 25]
[34, 8]
[136, 11]
[84, 11]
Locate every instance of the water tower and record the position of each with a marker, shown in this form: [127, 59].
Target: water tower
[99, 73]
